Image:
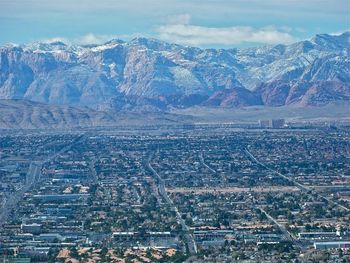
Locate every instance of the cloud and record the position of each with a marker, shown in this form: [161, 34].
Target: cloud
[182, 19]
[45, 18]
[54, 39]
[88, 39]
[170, 6]
[186, 34]
[338, 33]
[182, 32]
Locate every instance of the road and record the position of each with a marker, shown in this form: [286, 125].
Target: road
[94, 177]
[281, 227]
[33, 174]
[189, 240]
[33, 177]
[230, 189]
[300, 186]
[201, 159]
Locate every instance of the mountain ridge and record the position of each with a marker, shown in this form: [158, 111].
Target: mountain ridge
[152, 73]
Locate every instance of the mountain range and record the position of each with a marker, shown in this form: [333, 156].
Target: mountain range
[152, 75]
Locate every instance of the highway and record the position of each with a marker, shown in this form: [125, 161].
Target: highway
[204, 164]
[33, 174]
[300, 186]
[94, 177]
[281, 227]
[33, 177]
[202, 161]
[191, 244]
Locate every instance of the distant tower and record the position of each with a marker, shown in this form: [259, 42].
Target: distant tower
[264, 124]
[273, 123]
[277, 124]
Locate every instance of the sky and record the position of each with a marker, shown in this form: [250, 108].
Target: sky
[203, 23]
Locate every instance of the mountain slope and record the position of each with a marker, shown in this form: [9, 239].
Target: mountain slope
[21, 114]
[303, 93]
[162, 74]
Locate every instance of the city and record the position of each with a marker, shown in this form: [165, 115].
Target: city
[177, 131]
[194, 193]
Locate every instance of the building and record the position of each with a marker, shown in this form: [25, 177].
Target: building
[213, 238]
[31, 228]
[264, 123]
[332, 245]
[277, 124]
[9, 259]
[61, 197]
[318, 235]
[272, 124]
[50, 237]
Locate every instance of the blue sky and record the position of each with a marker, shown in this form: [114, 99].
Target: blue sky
[206, 23]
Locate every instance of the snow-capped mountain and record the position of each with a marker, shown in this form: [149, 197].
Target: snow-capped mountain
[158, 74]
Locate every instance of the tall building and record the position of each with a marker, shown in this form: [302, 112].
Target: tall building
[277, 124]
[273, 123]
[264, 123]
